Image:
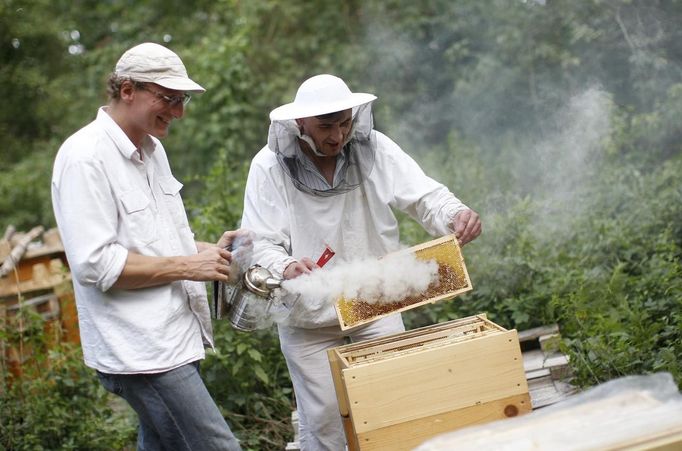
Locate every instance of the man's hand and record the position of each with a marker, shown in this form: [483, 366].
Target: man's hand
[295, 269]
[228, 238]
[141, 271]
[213, 263]
[467, 226]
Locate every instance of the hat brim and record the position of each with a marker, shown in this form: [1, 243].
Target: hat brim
[297, 111]
[180, 84]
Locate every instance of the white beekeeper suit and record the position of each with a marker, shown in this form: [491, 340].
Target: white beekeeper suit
[294, 217]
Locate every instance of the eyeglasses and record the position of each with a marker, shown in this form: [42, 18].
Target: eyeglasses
[169, 100]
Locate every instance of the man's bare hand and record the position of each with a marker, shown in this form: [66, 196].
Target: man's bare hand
[212, 263]
[295, 269]
[243, 236]
[467, 226]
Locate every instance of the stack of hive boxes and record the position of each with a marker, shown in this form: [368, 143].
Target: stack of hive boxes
[37, 279]
[397, 391]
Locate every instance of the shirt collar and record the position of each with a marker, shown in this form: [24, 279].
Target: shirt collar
[120, 139]
[307, 164]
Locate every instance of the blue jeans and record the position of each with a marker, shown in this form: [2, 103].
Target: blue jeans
[175, 410]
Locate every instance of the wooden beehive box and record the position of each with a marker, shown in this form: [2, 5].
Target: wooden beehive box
[397, 391]
[453, 279]
[41, 268]
[40, 280]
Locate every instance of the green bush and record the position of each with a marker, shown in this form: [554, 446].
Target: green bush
[57, 403]
[248, 378]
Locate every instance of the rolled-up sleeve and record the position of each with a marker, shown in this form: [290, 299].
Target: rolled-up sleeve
[87, 216]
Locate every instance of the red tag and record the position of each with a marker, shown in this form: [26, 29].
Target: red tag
[325, 257]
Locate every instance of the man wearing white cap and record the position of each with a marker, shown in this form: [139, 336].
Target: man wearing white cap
[327, 177]
[138, 273]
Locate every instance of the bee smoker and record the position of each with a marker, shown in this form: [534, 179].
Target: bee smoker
[248, 301]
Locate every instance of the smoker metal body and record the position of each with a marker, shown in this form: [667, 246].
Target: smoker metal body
[397, 391]
[246, 303]
[453, 280]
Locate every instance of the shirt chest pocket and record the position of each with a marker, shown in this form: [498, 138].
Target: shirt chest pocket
[138, 220]
[171, 190]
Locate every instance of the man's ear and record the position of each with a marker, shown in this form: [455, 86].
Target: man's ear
[127, 92]
[299, 122]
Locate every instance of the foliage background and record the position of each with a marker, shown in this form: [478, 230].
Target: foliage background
[559, 122]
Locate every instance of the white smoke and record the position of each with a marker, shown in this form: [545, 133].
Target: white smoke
[573, 144]
[242, 254]
[385, 280]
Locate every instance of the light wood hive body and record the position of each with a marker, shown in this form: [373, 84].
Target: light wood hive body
[397, 391]
[453, 280]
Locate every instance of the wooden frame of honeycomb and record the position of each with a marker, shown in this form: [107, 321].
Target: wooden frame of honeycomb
[453, 280]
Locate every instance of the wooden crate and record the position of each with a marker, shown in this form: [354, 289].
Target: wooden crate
[35, 274]
[397, 391]
[453, 280]
[40, 281]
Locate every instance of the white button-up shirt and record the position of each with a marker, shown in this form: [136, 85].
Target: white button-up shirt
[108, 201]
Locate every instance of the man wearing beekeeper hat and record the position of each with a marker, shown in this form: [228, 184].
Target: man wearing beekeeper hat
[327, 177]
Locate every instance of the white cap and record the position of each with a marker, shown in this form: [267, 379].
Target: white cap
[155, 63]
[321, 94]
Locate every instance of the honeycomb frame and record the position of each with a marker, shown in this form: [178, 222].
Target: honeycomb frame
[453, 280]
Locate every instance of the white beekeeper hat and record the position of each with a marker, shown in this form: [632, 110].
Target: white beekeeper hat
[321, 94]
[155, 63]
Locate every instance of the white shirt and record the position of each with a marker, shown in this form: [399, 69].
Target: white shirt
[291, 224]
[311, 176]
[108, 201]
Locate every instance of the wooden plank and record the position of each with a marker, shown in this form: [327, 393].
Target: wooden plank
[69, 313]
[537, 332]
[414, 340]
[544, 392]
[533, 360]
[403, 351]
[40, 274]
[5, 249]
[9, 287]
[9, 232]
[406, 436]
[435, 381]
[52, 245]
[536, 359]
[550, 343]
[539, 373]
[667, 441]
[420, 332]
[337, 366]
[25, 269]
[18, 250]
[47, 305]
[423, 341]
[351, 436]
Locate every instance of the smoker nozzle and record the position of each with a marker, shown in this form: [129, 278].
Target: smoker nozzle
[261, 281]
[273, 282]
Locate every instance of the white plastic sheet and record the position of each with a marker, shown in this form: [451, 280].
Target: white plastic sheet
[617, 414]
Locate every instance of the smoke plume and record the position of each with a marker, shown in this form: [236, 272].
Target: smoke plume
[389, 279]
